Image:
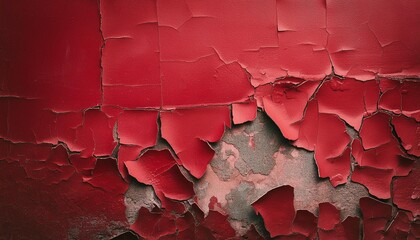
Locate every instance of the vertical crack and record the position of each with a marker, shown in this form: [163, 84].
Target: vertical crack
[328, 38]
[160, 59]
[101, 53]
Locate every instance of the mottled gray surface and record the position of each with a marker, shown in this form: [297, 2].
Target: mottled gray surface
[238, 200]
[257, 143]
[250, 160]
[249, 172]
[139, 195]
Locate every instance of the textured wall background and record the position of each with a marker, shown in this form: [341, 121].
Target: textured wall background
[233, 119]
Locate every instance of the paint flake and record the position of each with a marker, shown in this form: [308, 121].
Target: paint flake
[244, 112]
[408, 131]
[377, 181]
[329, 216]
[278, 221]
[406, 192]
[159, 169]
[188, 131]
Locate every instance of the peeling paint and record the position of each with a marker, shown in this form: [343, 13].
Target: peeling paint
[162, 119]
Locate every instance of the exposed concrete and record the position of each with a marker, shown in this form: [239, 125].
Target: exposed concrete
[139, 195]
[254, 158]
[237, 199]
[257, 144]
[250, 160]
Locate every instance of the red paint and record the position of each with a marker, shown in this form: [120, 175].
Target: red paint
[350, 99]
[153, 225]
[401, 98]
[160, 224]
[131, 43]
[386, 157]
[329, 216]
[48, 197]
[363, 41]
[88, 86]
[305, 223]
[348, 229]
[380, 223]
[286, 104]
[408, 131]
[377, 181]
[159, 169]
[380, 125]
[56, 62]
[406, 192]
[131, 133]
[278, 221]
[244, 112]
[188, 131]
[204, 81]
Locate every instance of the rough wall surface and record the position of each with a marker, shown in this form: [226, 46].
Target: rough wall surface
[226, 119]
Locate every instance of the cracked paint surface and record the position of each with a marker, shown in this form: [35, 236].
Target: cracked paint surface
[160, 119]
